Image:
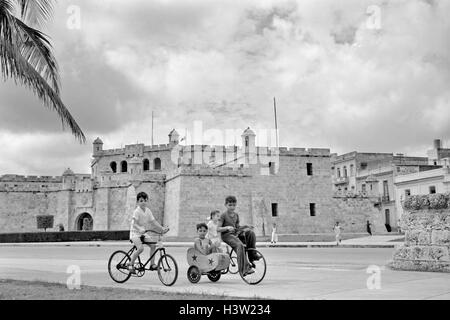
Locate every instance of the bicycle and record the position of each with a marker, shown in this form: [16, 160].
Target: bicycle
[167, 266]
[203, 265]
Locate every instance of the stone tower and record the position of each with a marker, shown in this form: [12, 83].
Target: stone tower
[98, 146]
[174, 138]
[249, 146]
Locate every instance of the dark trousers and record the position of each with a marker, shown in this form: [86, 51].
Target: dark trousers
[237, 243]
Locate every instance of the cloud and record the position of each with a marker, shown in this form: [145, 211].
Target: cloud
[340, 82]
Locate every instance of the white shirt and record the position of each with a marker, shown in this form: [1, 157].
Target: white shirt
[337, 229]
[212, 231]
[141, 221]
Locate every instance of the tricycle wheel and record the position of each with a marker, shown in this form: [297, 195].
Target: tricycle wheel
[214, 276]
[193, 274]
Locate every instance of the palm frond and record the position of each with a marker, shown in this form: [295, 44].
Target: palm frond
[35, 12]
[25, 56]
[15, 66]
[36, 49]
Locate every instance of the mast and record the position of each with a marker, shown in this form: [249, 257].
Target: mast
[152, 127]
[276, 121]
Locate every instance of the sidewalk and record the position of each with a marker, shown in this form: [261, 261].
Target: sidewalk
[381, 241]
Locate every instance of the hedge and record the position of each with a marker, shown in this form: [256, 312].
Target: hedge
[428, 201]
[68, 236]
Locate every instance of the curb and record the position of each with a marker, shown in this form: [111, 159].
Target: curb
[188, 244]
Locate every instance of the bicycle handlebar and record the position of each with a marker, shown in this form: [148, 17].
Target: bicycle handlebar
[159, 233]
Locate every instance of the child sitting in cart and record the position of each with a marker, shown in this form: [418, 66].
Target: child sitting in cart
[212, 233]
[204, 245]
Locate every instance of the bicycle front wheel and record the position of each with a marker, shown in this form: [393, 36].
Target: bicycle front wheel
[117, 266]
[167, 270]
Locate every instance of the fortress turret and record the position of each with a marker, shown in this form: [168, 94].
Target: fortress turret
[249, 146]
[98, 146]
[174, 137]
[68, 179]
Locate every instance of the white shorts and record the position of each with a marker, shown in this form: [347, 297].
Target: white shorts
[147, 238]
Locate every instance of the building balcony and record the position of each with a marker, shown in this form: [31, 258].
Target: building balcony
[340, 180]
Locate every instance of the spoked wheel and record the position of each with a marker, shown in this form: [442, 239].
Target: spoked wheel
[233, 267]
[117, 266]
[259, 268]
[214, 276]
[193, 274]
[167, 270]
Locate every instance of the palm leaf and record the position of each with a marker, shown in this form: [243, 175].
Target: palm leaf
[25, 56]
[35, 12]
[36, 49]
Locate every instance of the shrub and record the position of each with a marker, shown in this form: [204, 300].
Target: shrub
[412, 203]
[438, 201]
[424, 202]
[44, 222]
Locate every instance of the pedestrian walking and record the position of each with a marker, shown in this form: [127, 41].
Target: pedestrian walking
[337, 231]
[274, 234]
[368, 226]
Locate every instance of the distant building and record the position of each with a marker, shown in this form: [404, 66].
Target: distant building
[439, 155]
[371, 175]
[418, 183]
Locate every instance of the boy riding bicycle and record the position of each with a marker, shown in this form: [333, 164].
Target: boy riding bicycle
[141, 222]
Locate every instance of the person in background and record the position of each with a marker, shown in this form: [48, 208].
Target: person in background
[274, 234]
[368, 227]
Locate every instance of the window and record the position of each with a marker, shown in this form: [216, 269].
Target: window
[345, 172]
[123, 166]
[113, 166]
[338, 172]
[246, 141]
[272, 167]
[309, 169]
[274, 209]
[312, 209]
[363, 187]
[385, 188]
[363, 165]
[351, 170]
[157, 164]
[432, 189]
[407, 193]
[146, 165]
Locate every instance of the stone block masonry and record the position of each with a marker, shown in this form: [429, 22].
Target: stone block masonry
[427, 241]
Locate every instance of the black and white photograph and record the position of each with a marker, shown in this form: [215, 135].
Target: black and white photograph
[241, 152]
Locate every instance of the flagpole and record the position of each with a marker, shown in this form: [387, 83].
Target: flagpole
[152, 128]
[276, 121]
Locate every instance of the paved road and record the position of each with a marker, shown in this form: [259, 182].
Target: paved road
[293, 273]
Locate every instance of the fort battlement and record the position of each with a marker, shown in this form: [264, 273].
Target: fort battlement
[19, 178]
[208, 171]
[311, 152]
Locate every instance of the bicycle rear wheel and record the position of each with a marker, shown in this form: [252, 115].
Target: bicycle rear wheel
[167, 270]
[259, 268]
[117, 266]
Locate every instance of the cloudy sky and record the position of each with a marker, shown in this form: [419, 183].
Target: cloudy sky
[371, 76]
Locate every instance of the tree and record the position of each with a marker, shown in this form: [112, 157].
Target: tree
[26, 55]
[44, 222]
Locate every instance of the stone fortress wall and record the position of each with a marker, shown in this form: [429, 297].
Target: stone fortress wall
[184, 184]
